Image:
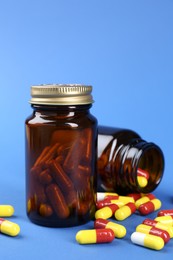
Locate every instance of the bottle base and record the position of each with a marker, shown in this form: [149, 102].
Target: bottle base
[59, 223]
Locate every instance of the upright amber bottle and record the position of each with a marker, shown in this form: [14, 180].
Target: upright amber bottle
[61, 154]
[123, 157]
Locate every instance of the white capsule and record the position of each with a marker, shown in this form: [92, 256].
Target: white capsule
[147, 240]
[102, 195]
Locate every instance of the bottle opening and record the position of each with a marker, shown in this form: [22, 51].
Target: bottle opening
[149, 169]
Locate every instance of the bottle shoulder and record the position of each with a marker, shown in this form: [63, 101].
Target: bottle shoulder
[55, 119]
[116, 132]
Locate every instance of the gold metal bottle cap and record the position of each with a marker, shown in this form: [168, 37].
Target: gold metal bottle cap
[61, 94]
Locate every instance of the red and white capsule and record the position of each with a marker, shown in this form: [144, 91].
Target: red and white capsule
[95, 236]
[149, 207]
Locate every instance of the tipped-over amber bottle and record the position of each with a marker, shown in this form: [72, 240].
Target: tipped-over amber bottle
[126, 163]
[61, 155]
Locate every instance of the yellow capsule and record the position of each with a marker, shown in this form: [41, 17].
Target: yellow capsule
[143, 228]
[126, 199]
[117, 202]
[150, 206]
[147, 240]
[169, 229]
[154, 223]
[153, 231]
[119, 230]
[6, 210]
[86, 237]
[106, 212]
[142, 181]
[122, 200]
[95, 236]
[167, 220]
[125, 211]
[156, 203]
[144, 199]
[9, 228]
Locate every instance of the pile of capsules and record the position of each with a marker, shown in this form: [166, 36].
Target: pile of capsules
[7, 227]
[153, 234]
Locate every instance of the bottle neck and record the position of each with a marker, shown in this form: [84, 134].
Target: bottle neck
[134, 159]
[61, 107]
[61, 110]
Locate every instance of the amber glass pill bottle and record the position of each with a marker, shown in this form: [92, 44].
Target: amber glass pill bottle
[61, 155]
[121, 155]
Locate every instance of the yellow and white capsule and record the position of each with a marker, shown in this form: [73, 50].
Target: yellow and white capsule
[6, 210]
[103, 195]
[9, 228]
[147, 240]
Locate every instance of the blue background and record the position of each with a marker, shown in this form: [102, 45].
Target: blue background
[125, 50]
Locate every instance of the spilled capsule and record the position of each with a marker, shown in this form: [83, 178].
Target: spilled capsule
[125, 211]
[149, 206]
[154, 223]
[6, 210]
[103, 203]
[165, 212]
[118, 200]
[167, 220]
[147, 240]
[119, 230]
[153, 231]
[95, 236]
[144, 199]
[103, 195]
[135, 196]
[9, 228]
[106, 212]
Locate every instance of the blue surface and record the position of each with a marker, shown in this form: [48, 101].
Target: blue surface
[122, 48]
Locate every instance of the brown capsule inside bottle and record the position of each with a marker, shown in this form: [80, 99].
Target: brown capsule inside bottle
[61, 154]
